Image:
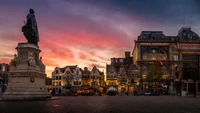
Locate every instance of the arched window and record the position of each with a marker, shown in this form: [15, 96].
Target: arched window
[153, 54]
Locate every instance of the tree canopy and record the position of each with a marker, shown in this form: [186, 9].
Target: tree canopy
[154, 72]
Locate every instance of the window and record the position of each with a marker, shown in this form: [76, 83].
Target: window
[4, 68]
[75, 83]
[121, 60]
[59, 83]
[56, 77]
[56, 71]
[175, 57]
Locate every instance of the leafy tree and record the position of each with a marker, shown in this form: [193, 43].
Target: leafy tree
[154, 73]
[191, 71]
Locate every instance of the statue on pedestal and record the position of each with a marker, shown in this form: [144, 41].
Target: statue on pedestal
[30, 28]
[27, 72]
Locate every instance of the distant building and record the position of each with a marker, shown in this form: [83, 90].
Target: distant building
[122, 74]
[179, 54]
[4, 69]
[62, 79]
[86, 78]
[73, 78]
[127, 60]
[48, 82]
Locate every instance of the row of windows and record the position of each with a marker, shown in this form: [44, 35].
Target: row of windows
[111, 76]
[116, 60]
[86, 76]
[94, 77]
[56, 89]
[56, 83]
[111, 83]
[77, 82]
[122, 80]
[94, 83]
[56, 78]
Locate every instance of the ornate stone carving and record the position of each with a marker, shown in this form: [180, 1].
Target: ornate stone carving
[14, 61]
[41, 65]
[31, 60]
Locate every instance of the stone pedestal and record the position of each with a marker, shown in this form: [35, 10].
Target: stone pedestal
[26, 75]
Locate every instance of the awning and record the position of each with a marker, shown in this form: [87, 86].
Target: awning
[111, 89]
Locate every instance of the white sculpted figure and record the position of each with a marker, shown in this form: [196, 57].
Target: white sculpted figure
[13, 62]
[31, 60]
[42, 66]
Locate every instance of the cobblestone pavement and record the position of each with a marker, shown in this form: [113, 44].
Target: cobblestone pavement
[105, 104]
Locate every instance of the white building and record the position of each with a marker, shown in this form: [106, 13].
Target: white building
[65, 79]
[94, 77]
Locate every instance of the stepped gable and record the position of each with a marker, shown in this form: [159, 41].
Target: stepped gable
[186, 34]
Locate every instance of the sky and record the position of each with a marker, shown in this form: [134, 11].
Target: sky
[87, 32]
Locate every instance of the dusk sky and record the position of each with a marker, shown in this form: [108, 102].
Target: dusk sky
[83, 32]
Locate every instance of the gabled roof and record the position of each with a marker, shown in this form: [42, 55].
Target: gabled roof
[72, 67]
[85, 71]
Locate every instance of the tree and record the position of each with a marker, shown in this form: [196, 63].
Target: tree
[191, 69]
[191, 73]
[154, 73]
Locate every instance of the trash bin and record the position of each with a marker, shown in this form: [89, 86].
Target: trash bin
[183, 93]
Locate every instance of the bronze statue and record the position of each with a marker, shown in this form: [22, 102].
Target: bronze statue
[30, 28]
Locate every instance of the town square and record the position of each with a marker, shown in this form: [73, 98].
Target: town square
[109, 56]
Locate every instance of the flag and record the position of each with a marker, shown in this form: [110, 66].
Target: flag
[159, 63]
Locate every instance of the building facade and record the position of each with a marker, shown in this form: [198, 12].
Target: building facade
[4, 69]
[63, 79]
[122, 74]
[73, 78]
[172, 51]
[48, 82]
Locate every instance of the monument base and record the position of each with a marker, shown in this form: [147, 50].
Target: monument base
[26, 75]
[25, 96]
